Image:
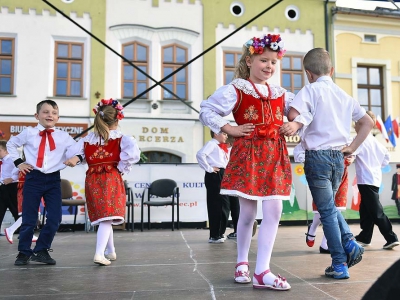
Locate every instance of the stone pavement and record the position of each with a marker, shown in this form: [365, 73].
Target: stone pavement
[181, 264]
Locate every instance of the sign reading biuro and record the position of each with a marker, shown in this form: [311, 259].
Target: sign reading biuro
[9, 129]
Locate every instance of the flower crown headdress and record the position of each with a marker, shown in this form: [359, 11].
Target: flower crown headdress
[110, 102]
[272, 41]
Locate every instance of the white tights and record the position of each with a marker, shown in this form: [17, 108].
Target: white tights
[313, 230]
[105, 238]
[272, 210]
[15, 226]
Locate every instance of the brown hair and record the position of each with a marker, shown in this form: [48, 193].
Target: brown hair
[3, 144]
[212, 133]
[105, 117]
[318, 61]
[50, 102]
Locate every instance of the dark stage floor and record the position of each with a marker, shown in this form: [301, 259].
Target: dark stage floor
[181, 264]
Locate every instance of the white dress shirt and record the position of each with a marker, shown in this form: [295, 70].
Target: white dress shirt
[211, 155]
[8, 170]
[30, 139]
[130, 152]
[328, 111]
[221, 103]
[371, 156]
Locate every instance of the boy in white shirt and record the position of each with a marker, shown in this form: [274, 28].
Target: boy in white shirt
[45, 153]
[328, 111]
[213, 158]
[371, 157]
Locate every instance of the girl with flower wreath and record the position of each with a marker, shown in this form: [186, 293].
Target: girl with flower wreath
[259, 167]
[109, 154]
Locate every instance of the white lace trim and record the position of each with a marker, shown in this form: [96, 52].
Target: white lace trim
[93, 139]
[116, 220]
[246, 87]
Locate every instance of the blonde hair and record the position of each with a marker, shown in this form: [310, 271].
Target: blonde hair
[242, 70]
[105, 117]
[318, 61]
[372, 115]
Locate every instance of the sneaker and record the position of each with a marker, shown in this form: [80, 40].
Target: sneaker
[216, 240]
[22, 259]
[354, 253]
[223, 236]
[43, 256]
[232, 236]
[340, 271]
[391, 245]
[361, 242]
[255, 224]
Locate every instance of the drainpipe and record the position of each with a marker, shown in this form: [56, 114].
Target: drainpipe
[326, 26]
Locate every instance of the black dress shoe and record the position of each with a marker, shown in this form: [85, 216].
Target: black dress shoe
[324, 251]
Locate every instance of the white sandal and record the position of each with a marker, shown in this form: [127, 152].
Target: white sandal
[280, 283]
[242, 276]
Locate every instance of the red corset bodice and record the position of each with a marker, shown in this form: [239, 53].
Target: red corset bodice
[102, 158]
[265, 113]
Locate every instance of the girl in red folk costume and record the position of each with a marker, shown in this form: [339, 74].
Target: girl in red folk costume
[259, 167]
[109, 154]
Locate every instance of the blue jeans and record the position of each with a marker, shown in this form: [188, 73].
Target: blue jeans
[36, 186]
[324, 171]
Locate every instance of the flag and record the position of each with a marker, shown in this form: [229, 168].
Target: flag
[395, 124]
[390, 132]
[381, 127]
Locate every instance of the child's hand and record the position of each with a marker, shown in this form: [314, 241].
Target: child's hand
[7, 180]
[347, 151]
[72, 162]
[290, 128]
[25, 168]
[350, 159]
[239, 131]
[216, 170]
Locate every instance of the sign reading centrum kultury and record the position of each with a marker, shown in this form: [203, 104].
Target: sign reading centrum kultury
[9, 129]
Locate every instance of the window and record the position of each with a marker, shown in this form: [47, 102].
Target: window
[134, 82]
[230, 61]
[369, 38]
[6, 66]
[173, 57]
[370, 89]
[68, 79]
[161, 157]
[292, 73]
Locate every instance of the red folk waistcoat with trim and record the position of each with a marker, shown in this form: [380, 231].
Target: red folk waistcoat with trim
[266, 114]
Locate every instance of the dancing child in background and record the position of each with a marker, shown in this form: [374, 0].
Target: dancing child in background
[109, 154]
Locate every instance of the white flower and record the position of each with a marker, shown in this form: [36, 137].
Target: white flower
[274, 46]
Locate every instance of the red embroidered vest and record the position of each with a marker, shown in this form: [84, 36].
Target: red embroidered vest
[266, 114]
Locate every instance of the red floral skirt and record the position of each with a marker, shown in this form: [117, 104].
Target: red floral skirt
[105, 196]
[258, 169]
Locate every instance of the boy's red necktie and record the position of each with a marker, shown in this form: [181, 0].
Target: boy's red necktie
[224, 147]
[45, 133]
